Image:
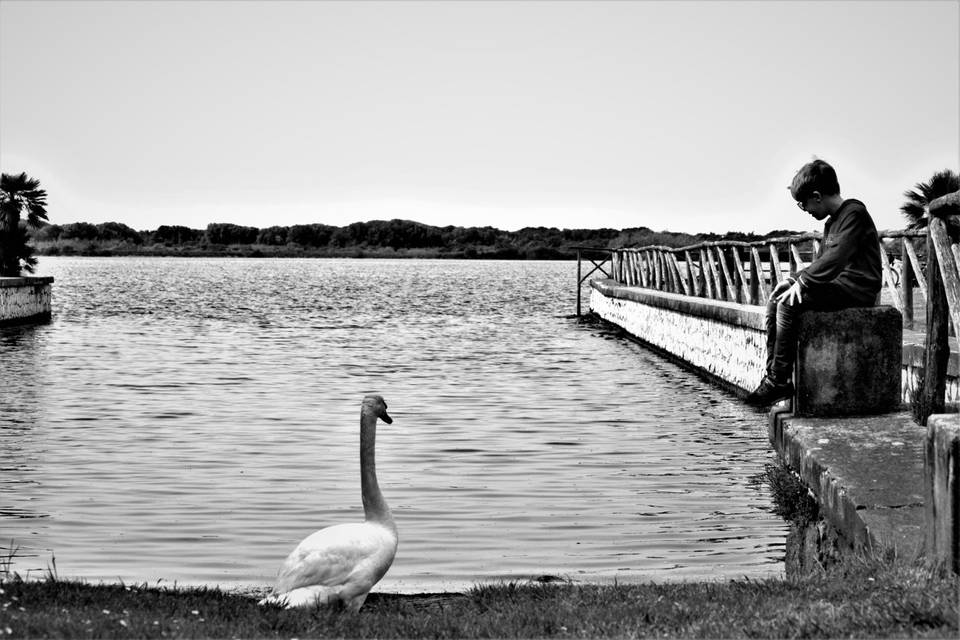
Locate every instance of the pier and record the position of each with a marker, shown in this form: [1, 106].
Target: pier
[885, 470]
[25, 299]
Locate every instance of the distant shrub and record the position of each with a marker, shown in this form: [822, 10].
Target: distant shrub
[47, 232]
[225, 233]
[274, 236]
[79, 231]
[118, 231]
[175, 234]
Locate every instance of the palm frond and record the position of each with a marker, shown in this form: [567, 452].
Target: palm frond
[940, 184]
[18, 183]
[19, 194]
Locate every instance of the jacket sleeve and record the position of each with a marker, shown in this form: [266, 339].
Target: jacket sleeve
[851, 232]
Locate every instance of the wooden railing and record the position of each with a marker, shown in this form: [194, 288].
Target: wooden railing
[746, 272]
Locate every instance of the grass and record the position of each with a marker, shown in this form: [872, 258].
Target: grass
[792, 500]
[860, 599]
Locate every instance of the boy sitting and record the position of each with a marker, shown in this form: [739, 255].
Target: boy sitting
[847, 274]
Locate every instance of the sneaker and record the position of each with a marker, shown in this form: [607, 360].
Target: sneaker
[769, 392]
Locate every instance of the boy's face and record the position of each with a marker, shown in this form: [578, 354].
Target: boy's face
[814, 205]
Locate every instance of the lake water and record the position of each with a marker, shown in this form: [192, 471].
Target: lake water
[190, 420]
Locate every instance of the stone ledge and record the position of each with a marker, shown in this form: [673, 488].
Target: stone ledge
[25, 281]
[866, 473]
[742, 315]
[25, 300]
[942, 484]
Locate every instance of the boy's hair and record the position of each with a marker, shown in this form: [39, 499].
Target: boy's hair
[814, 176]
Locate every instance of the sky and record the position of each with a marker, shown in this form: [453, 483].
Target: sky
[675, 115]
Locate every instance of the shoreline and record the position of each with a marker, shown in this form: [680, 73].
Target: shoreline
[868, 598]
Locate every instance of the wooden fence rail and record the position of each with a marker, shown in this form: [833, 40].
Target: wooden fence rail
[747, 272]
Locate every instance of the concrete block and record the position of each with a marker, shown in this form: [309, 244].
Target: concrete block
[849, 362]
[25, 299]
[942, 485]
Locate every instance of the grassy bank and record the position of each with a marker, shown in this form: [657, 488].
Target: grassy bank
[861, 599]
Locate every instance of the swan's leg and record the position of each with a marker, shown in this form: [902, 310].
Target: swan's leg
[353, 604]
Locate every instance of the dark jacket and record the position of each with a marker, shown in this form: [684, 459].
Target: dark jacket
[851, 253]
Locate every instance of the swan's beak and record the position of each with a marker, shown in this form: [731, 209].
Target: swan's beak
[386, 418]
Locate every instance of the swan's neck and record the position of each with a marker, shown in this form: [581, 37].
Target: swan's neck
[375, 508]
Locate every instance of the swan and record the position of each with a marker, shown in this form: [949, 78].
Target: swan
[341, 563]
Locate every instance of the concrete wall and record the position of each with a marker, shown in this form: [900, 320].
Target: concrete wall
[724, 340]
[25, 299]
[867, 475]
[942, 484]
[913, 369]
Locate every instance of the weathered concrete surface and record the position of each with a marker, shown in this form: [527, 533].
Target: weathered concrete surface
[25, 299]
[866, 473]
[942, 484]
[741, 315]
[714, 339]
[849, 362]
[676, 325]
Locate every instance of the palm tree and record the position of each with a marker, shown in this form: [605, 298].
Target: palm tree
[19, 194]
[923, 193]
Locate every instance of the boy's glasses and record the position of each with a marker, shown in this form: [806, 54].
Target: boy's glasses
[800, 203]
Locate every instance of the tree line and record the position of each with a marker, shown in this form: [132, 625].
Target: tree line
[374, 238]
[25, 232]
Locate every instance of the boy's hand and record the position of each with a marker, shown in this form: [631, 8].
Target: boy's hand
[792, 295]
[780, 288]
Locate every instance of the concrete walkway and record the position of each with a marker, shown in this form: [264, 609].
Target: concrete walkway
[866, 473]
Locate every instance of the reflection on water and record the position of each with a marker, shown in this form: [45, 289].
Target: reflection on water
[191, 420]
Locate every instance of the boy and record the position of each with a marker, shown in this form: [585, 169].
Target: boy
[847, 274]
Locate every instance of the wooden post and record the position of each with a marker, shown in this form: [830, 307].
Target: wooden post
[694, 289]
[775, 273]
[887, 278]
[579, 283]
[657, 271]
[717, 290]
[759, 290]
[906, 283]
[937, 345]
[729, 284]
[681, 281]
[744, 290]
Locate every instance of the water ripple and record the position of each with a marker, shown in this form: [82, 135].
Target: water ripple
[190, 420]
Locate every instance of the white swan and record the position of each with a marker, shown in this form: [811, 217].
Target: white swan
[342, 563]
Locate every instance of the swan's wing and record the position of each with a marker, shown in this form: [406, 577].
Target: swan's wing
[331, 556]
